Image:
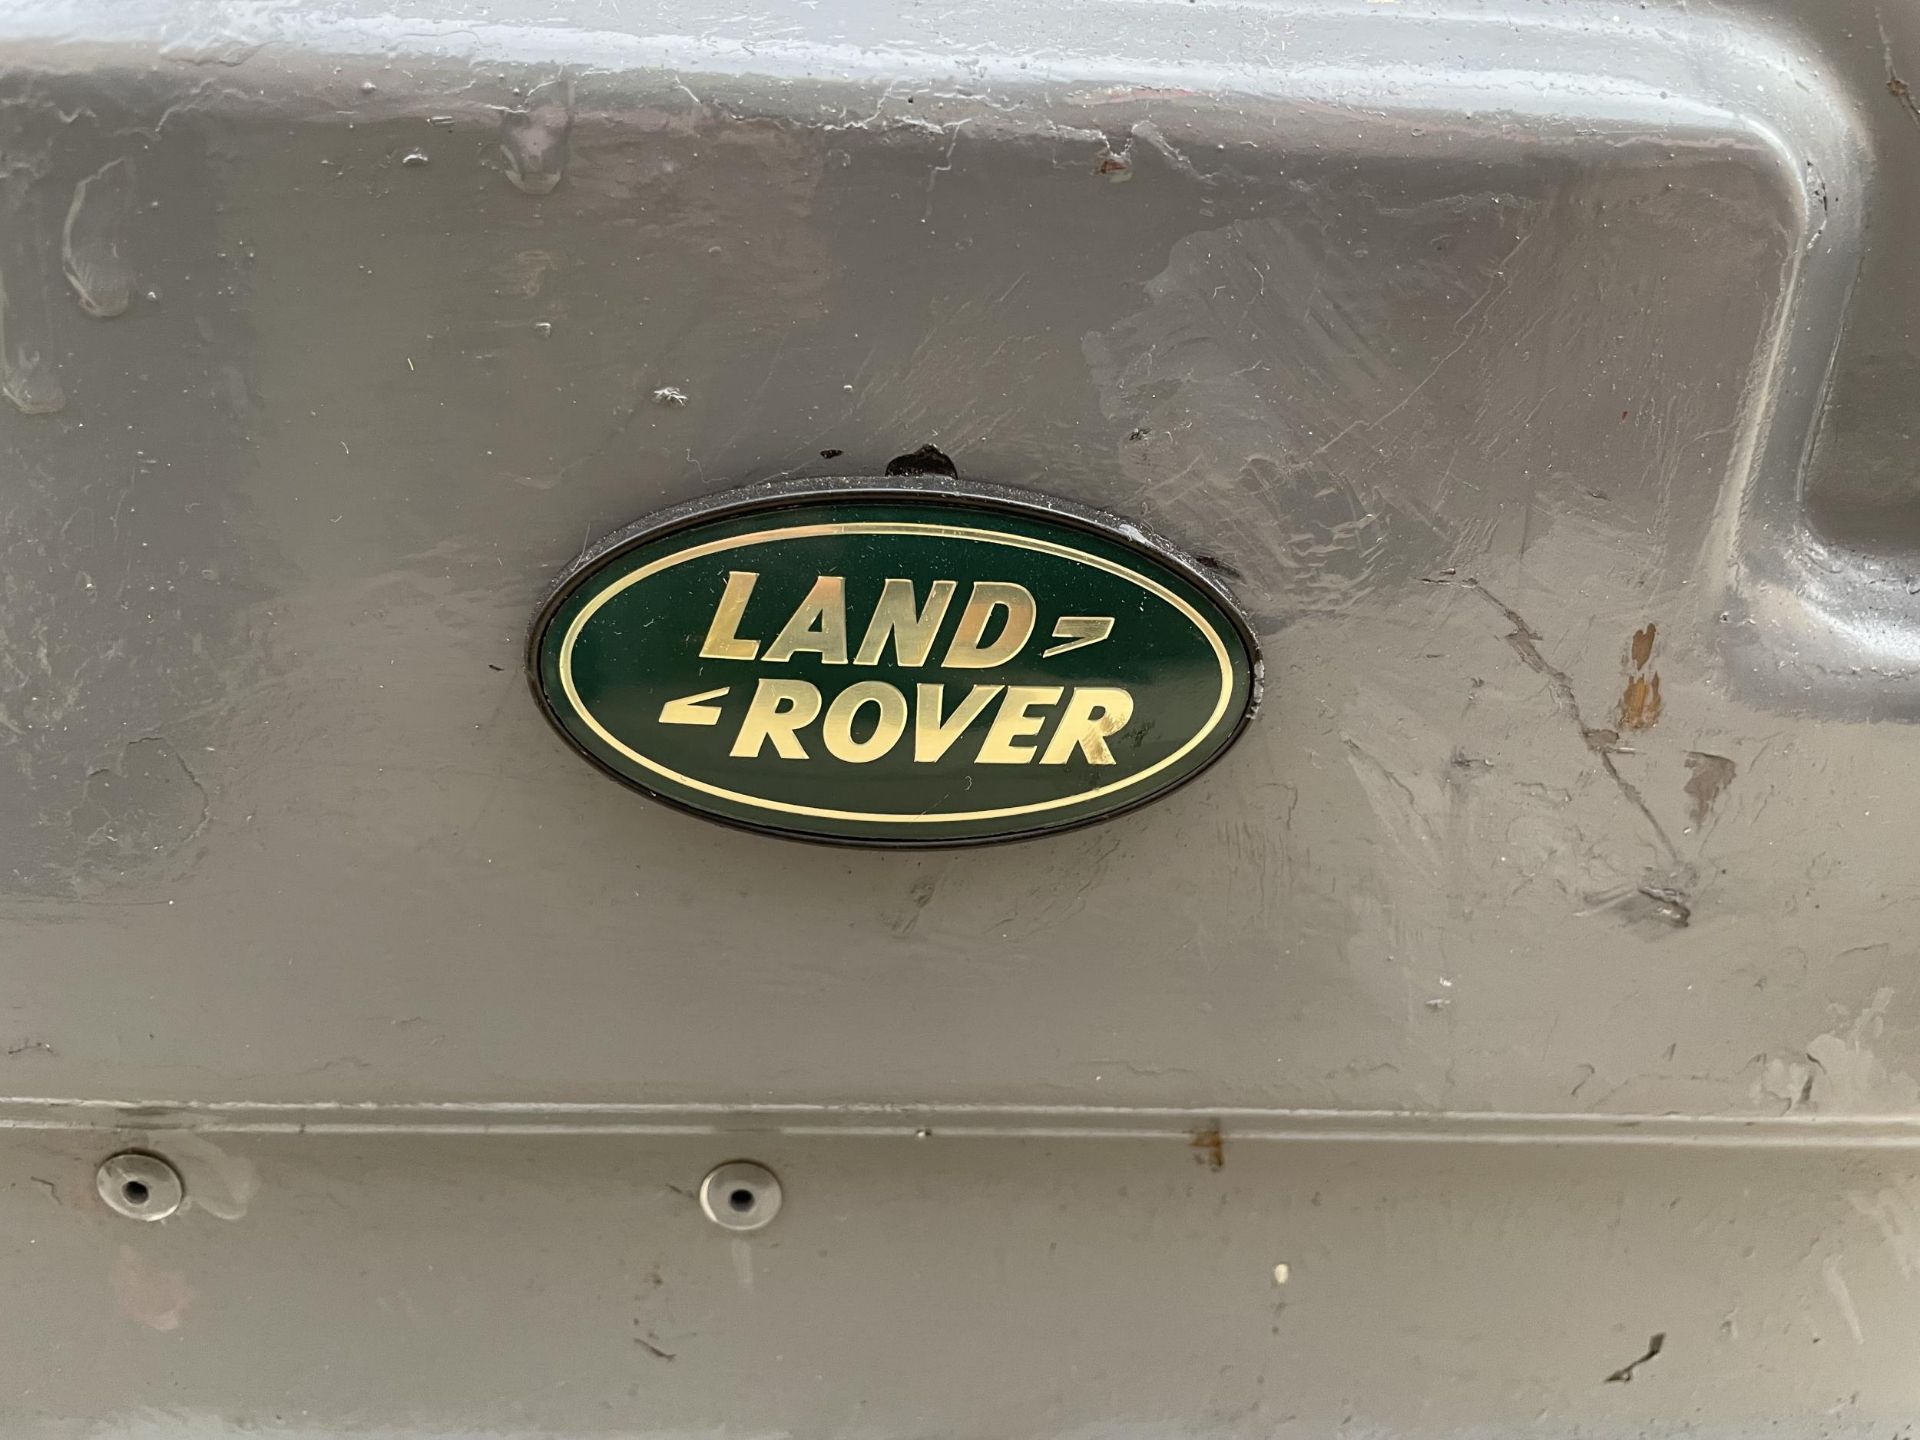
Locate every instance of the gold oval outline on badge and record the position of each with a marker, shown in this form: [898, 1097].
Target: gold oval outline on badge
[893, 527]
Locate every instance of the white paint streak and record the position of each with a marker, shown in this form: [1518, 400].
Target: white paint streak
[1852, 1079]
[218, 1182]
[93, 242]
[1842, 1297]
[1896, 1211]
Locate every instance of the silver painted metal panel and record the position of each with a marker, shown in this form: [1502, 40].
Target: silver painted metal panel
[1506, 358]
[517, 1285]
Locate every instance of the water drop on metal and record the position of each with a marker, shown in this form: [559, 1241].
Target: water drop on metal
[31, 385]
[93, 240]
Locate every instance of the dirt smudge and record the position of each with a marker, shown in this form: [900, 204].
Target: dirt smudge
[147, 1294]
[1712, 774]
[1209, 1148]
[1655, 1344]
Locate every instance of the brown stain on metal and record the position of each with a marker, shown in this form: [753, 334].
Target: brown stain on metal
[1712, 774]
[1601, 742]
[1642, 648]
[1640, 704]
[1903, 92]
[1209, 1148]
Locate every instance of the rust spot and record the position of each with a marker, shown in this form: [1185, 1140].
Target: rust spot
[1114, 165]
[1711, 775]
[1643, 645]
[1903, 92]
[1209, 1148]
[1640, 706]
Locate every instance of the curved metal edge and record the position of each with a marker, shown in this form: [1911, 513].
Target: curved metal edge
[772, 496]
[1811, 624]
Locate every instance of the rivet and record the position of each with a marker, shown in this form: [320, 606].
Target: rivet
[140, 1187]
[740, 1195]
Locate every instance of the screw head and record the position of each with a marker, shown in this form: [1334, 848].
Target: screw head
[140, 1187]
[740, 1195]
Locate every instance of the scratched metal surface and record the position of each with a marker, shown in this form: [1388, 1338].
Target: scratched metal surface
[1109, 1287]
[1538, 373]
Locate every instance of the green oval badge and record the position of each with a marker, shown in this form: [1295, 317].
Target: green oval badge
[894, 663]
